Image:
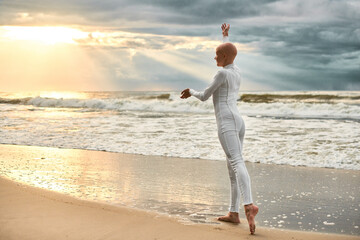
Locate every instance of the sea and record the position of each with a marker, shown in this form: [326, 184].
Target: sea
[314, 129]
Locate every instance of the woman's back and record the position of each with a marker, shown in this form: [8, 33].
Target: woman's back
[225, 100]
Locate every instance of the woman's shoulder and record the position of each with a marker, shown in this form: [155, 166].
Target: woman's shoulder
[222, 72]
[221, 75]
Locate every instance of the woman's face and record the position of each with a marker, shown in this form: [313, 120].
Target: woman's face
[219, 58]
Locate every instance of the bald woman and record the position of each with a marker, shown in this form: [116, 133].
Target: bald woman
[231, 129]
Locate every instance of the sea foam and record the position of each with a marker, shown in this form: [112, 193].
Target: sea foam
[297, 133]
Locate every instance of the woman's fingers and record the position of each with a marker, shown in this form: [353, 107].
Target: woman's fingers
[185, 90]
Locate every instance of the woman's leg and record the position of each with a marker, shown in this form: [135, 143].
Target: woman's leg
[232, 146]
[232, 142]
[233, 215]
[234, 189]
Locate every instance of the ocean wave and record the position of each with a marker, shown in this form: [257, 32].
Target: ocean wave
[298, 107]
[300, 110]
[165, 96]
[14, 100]
[311, 98]
[157, 103]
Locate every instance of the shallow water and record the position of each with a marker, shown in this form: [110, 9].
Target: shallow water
[194, 190]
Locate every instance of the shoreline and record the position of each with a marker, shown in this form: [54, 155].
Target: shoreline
[34, 213]
[197, 159]
[141, 181]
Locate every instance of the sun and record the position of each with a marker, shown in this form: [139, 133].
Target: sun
[61, 94]
[46, 35]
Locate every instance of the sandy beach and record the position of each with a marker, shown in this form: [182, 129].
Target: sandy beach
[33, 213]
[52, 193]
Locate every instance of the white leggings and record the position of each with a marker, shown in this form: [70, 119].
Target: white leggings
[232, 143]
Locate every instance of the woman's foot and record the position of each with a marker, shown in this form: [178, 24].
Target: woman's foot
[232, 217]
[250, 211]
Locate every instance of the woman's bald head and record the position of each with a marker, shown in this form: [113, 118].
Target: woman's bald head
[225, 54]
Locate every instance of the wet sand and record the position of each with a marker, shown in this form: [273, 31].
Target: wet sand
[191, 190]
[33, 213]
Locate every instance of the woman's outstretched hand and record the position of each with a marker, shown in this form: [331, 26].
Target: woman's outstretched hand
[225, 29]
[185, 93]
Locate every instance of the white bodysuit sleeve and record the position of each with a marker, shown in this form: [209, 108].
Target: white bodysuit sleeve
[218, 80]
[225, 39]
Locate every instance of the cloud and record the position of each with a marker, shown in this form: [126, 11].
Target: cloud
[300, 44]
[185, 11]
[141, 41]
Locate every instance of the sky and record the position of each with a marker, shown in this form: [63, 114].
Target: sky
[163, 45]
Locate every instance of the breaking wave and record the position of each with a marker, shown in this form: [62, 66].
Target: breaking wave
[282, 105]
[311, 98]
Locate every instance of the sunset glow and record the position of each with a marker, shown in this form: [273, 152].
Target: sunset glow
[46, 35]
[63, 95]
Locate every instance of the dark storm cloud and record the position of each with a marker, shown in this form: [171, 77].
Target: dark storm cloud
[322, 42]
[324, 56]
[183, 12]
[209, 11]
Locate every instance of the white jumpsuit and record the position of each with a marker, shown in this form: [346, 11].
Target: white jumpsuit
[231, 130]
